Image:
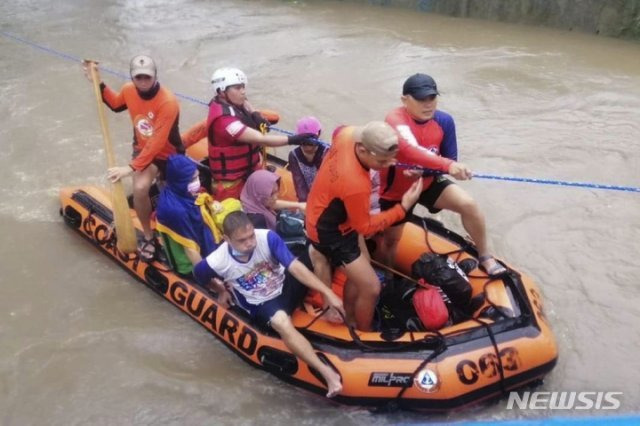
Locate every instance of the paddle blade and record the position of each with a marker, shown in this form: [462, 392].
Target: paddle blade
[121, 216]
[125, 231]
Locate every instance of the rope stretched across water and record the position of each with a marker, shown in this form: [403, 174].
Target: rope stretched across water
[504, 178]
[538, 181]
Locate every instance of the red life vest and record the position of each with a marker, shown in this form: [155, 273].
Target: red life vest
[236, 160]
[426, 137]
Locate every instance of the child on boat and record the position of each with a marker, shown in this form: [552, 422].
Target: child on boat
[305, 160]
[268, 282]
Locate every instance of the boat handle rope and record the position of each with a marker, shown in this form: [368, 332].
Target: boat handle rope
[315, 318]
[426, 240]
[124, 76]
[460, 251]
[368, 348]
[492, 337]
[490, 279]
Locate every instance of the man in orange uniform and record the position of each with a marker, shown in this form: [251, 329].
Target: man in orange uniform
[428, 139]
[233, 130]
[154, 113]
[338, 211]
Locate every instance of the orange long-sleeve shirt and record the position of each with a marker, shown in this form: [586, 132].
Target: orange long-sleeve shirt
[339, 200]
[155, 122]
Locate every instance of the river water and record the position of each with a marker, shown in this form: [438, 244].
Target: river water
[83, 343]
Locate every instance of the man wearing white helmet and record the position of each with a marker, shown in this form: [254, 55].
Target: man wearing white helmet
[233, 131]
[154, 112]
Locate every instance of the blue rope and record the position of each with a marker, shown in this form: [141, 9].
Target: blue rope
[559, 182]
[286, 132]
[104, 69]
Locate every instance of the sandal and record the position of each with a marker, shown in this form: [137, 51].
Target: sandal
[496, 270]
[147, 249]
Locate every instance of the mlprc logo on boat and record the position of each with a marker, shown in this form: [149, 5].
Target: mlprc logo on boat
[427, 381]
[563, 400]
[390, 379]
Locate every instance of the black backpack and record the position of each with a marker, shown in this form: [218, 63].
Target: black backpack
[290, 226]
[441, 271]
[395, 308]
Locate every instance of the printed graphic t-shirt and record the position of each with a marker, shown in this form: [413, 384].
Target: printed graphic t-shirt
[260, 278]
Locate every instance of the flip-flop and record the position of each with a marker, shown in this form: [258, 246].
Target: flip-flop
[496, 270]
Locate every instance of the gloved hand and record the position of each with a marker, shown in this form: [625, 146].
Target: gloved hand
[301, 138]
[262, 122]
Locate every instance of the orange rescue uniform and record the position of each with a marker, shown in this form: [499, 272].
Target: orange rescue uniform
[155, 122]
[339, 201]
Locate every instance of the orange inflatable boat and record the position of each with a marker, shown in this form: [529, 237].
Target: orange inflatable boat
[504, 345]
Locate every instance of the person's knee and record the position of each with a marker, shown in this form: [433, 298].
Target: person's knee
[280, 321]
[318, 260]
[392, 235]
[465, 205]
[373, 291]
[369, 287]
[141, 187]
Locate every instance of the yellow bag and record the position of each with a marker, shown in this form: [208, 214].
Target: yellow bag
[214, 212]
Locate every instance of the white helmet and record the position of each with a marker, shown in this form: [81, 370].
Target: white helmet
[225, 77]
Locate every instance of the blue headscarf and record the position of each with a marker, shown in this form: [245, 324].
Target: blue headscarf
[177, 214]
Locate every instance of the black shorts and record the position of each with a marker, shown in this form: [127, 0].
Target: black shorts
[428, 198]
[342, 252]
[159, 163]
[293, 293]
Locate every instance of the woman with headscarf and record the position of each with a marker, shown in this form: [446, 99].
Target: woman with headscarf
[260, 201]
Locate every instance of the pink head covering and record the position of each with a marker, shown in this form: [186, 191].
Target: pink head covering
[257, 192]
[308, 125]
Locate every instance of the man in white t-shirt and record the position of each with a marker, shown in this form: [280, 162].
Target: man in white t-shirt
[269, 283]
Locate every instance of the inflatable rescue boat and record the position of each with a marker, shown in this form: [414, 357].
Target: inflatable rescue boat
[504, 344]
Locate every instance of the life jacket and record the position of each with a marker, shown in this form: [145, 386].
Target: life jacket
[236, 160]
[426, 137]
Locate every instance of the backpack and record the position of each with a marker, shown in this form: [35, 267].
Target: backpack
[290, 227]
[430, 308]
[395, 308]
[405, 306]
[441, 271]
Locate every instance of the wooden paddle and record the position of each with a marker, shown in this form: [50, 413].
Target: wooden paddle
[125, 231]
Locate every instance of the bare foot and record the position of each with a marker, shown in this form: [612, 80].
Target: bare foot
[334, 383]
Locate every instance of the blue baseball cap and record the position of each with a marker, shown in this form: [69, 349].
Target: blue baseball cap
[420, 86]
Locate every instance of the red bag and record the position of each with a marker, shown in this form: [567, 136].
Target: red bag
[430, 308]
